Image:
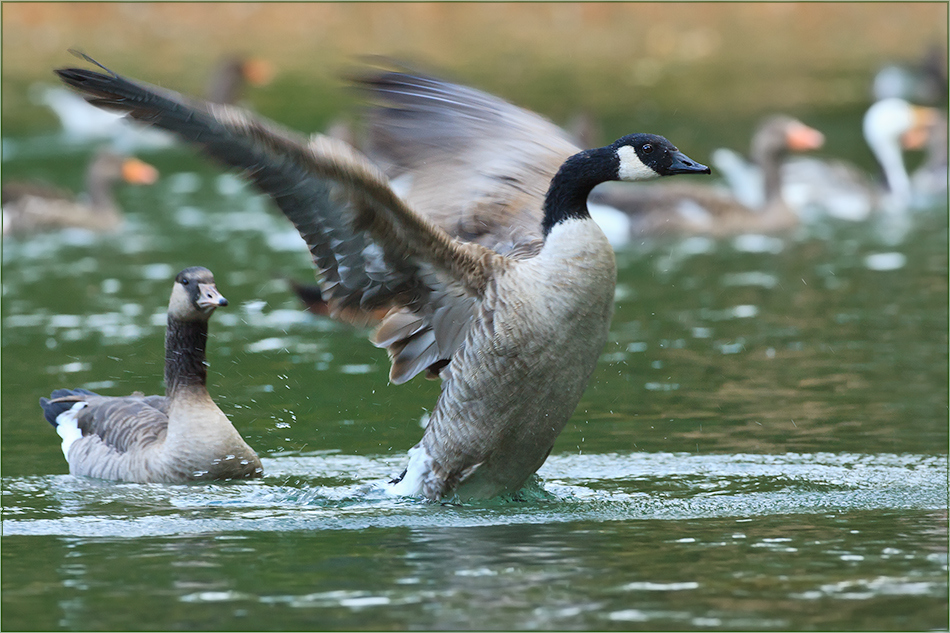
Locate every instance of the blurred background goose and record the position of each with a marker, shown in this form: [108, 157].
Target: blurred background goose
[30, 207]
[628, 211]
[232, 74]
[181, 436]
[816, 186]
[512, 317]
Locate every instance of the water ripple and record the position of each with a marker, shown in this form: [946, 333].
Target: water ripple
[327, 490]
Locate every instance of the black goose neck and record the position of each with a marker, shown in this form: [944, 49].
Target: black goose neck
[567, 196]
[185, 343]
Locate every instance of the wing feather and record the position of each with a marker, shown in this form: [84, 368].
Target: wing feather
[371, 248]
[476, 165]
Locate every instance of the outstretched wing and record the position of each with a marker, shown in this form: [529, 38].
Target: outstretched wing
[477, 166]
[372, 250]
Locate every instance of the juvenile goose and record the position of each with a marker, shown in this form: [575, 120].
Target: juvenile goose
[29, 207]
[686, 208]
[514, 337]
[181, 436]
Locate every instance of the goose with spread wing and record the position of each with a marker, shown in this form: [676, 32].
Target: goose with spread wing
[181, 436]
[512, 317]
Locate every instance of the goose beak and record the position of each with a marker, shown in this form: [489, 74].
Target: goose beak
[209, 298]
[258, 72]
[683, 164]
[137, 172]
[923, 121]
[801, 138]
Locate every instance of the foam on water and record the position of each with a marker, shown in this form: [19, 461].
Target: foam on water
[333, 491]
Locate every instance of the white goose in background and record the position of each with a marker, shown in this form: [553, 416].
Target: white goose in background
[628, 211]
[814, 186]
[179, 437]
[929, 181]
[512, 317]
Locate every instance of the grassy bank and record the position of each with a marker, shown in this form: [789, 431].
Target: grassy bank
[720, 65]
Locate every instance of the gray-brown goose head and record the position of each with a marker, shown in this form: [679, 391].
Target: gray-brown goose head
[194, 295]
[193, 300]
[109, 168]
[775, 138]
[232, 73]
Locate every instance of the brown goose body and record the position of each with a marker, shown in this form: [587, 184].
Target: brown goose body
[686, 208]
[181, 436]
[30, 207]
[512, 316]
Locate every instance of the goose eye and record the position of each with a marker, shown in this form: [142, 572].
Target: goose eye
[184, 282]
[647, 148]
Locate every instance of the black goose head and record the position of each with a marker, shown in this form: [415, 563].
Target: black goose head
[648, 156]
[194, 296]
[632, 157]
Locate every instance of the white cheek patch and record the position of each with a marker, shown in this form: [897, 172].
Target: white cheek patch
[631, 167]
[180, 302]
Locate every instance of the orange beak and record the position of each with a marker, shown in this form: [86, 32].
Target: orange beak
[924, 120]
[137, 172]
[258, 72]
[801, 138]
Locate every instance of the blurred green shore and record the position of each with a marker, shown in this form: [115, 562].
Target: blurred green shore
[717, 66]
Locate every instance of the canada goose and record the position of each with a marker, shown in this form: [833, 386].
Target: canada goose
[814, 186]
[29, 207]
[181, 436]
[687, 208]
[514, 337]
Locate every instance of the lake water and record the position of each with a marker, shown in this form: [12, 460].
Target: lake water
[763, 445]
